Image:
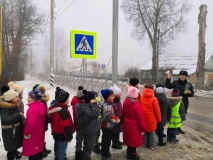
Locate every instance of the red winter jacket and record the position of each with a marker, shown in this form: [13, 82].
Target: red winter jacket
[75, 101]
[133, 123]
[151, 109]
[61, 122]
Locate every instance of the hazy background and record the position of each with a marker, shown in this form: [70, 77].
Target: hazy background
[96, 15]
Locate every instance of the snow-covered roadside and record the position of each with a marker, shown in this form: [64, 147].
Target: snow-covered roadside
[196, 144]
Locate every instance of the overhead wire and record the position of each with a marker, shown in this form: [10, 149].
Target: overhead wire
[66, 8]
[62, 6]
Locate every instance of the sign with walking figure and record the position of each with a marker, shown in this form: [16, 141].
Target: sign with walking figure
[83, 44]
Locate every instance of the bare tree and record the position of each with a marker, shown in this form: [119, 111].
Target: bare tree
[132, 72]
[151, 16]
[21, 21]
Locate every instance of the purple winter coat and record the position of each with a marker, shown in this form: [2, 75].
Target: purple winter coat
[117, 106]
[35, 127]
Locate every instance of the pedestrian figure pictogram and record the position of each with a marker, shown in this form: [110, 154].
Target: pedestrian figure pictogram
[84, 45]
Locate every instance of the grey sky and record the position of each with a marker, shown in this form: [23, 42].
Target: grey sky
[96, 15]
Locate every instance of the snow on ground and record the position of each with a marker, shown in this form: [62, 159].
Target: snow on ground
[196, 144]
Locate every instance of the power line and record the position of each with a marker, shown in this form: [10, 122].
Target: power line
[62, 6]
[67, 8]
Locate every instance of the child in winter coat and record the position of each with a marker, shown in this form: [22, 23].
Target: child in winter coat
[117, 106]
[11, 122]
[34, 131]
[61, 123]
[79, 98]
[97, 145]
[135, 83]
[108, 121]
[177, 116]
[133, 123]
[44, 99]
[87, 117]
[151, 110]
[165, 109]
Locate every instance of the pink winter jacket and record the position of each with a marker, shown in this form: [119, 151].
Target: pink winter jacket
[34, 131]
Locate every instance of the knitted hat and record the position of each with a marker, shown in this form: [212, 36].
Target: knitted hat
[116, 90]
[105, 93]
[185, 73]
[61, 96]
[133, 81]
[132, 92]
[37, 92]
[80, 93]
[175, 92]
[88, 96]
[9, 95]
[17, 87]
[149, 85]
[159, 90]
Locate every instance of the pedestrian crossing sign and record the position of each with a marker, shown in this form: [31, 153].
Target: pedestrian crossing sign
[83, 44]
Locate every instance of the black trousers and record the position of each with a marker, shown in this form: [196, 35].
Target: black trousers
[11, 155]
[186, 105]
[106, 142]
[131, 150]
[37, 156]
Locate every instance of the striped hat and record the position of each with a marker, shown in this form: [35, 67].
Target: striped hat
[61, 96]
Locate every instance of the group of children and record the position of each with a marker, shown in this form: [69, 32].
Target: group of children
[140, 118]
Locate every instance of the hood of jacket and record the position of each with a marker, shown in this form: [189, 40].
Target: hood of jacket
[174, 100]
[39, 107]
[75, 101]
[147, 92]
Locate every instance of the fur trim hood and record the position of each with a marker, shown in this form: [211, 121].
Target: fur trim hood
[4, 104]
[45, 98]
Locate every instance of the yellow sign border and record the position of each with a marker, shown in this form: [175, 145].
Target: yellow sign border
[72, 44]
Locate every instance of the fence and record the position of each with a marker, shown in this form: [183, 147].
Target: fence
[97, 83]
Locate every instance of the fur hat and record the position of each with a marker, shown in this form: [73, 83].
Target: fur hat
[132, 92]
[61, 96]
[133, 81]
[9, 95]
[116, 90]
[17, 87]
[175, 92]
[159, 90]
[105, 93]
[80, 93]
[88, 96]
[185, 73]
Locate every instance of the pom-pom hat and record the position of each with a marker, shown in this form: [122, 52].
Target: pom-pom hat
[61, 96]
[132, 92]
[80, 93]
[17, 87]
[175, 92]
[116, 90]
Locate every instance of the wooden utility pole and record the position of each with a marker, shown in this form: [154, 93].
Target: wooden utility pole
[202, 47]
